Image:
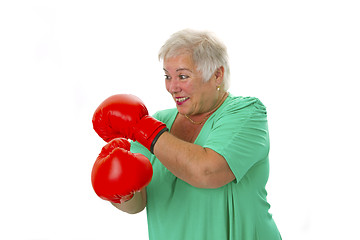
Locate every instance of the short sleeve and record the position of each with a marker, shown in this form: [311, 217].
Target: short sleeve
[240, 135]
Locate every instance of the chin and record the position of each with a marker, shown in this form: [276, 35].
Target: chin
[181, 110]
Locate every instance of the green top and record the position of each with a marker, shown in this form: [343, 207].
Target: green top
[239, 210]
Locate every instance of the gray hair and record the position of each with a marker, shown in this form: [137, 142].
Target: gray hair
[208, 52]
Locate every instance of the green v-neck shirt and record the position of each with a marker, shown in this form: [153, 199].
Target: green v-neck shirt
[176, 210]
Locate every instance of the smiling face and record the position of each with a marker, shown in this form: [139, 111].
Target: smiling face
[184, 82]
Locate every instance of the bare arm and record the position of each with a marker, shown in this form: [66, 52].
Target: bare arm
[135, 205]
[198, 166]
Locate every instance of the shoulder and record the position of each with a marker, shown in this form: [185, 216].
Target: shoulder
[238, 104]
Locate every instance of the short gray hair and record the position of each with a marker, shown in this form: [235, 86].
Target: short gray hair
[208, 52]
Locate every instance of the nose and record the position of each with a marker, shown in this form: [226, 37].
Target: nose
[173, 86]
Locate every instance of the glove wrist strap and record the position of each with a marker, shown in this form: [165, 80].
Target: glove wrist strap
[156, 138]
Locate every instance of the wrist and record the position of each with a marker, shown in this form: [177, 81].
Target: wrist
[126, 198]
[148, 130]
[157, 138]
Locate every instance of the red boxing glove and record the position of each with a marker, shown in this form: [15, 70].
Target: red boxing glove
[118, 173]
[126, 116]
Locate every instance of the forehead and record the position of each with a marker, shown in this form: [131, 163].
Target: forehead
[183, 60]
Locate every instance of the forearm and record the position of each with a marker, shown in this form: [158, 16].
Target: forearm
[135, 205]
[185, 160]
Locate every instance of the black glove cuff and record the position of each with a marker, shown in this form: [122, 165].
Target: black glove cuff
[156, 138]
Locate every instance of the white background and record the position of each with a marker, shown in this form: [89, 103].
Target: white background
[60, 59]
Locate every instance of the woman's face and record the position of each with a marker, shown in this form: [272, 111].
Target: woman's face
[184, 82]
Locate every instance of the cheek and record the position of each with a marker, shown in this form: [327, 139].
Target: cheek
[167, 86]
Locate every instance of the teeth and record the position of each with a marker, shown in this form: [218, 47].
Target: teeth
[181, 99]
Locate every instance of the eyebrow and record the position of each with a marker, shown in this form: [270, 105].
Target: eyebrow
[179, 69]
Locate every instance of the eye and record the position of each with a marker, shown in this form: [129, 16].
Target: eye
[167, 77]
[182, 76]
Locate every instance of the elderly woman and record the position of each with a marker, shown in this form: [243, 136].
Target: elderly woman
[209, 155]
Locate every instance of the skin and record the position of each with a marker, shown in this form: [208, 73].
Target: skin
[182, 79]
[198, 166]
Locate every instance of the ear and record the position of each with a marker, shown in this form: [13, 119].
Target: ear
[219, 75]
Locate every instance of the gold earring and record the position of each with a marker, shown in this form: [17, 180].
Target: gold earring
[218, 88]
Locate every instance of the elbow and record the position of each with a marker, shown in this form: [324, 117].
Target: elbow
[207, 179]
[211, 176]
[209, 171]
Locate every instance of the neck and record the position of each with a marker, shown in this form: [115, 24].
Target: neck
[205, 116]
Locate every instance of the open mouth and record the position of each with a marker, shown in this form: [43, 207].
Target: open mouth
[181, 100]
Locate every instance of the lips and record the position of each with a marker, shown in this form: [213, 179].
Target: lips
[181, 100]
